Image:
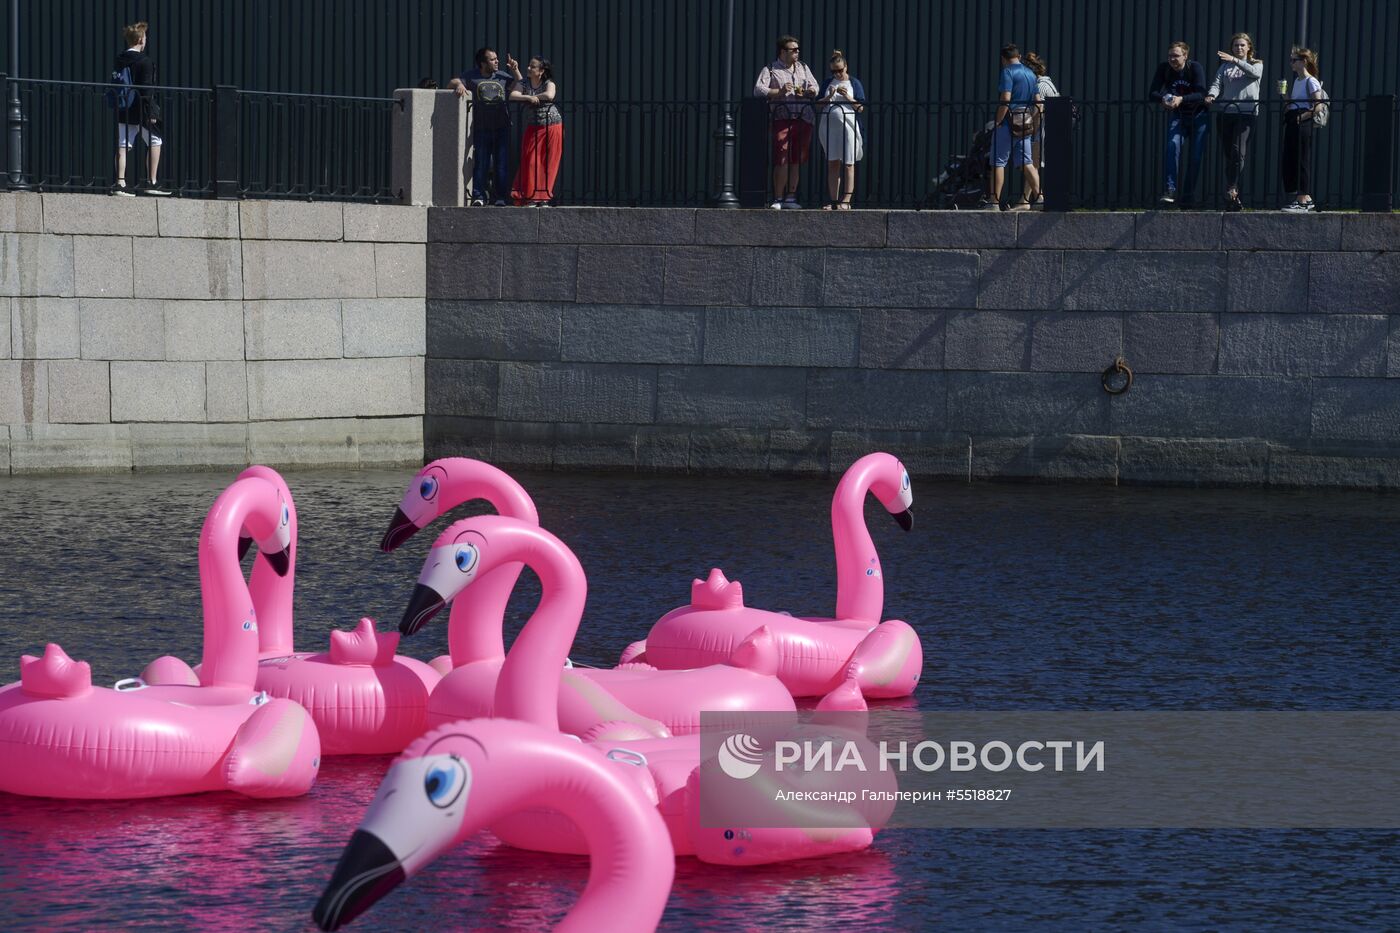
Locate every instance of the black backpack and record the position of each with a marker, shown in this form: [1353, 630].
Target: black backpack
[122, 94]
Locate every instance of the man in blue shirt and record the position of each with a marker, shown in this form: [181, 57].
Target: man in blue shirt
[489, 87]
[1018, 113]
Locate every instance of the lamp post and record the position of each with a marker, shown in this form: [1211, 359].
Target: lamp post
[725, 136]
[16, 113]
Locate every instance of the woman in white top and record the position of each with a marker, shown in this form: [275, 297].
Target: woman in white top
[1298, 128]
[1045, 87]
[1236, 86]
[838, 130]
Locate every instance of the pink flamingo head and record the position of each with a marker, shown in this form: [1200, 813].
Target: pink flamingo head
[282, 557]
[457, 558]
[447, 483]
[887, 479]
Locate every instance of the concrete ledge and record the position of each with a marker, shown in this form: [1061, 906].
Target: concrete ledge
[70, 448]
[215, 220]
[21, 212]
[99, 214]
[291, 220]
[386, 223]
[1074, 458]
[1193, 462]
[189, 446]
[346, 442]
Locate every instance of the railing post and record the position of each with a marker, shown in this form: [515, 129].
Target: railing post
[224, 141]
[725, 136]
[1057, 152]
[1378, 153]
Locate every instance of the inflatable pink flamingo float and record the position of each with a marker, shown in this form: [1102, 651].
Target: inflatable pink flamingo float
[632, 697]
[63, 737]
[815, 655]
[463, 777]
[365, 698]
[663, 769]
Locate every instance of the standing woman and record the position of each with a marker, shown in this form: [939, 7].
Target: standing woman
[842, 100]
[543, 144]
[1046, 88]
[1236, 86]
[1298, 128]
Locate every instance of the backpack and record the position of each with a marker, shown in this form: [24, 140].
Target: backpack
[122, 94]
[1321, 111]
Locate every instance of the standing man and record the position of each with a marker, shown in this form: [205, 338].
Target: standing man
[1180, 87]
[1016, 121]
[135, 68]
[791, 86]
[489, 87]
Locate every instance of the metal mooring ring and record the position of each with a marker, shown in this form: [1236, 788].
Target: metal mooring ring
[1120, 366]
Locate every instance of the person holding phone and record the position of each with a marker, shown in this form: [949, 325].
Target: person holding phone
[842, 101]
[791, 87]
[1180, 87]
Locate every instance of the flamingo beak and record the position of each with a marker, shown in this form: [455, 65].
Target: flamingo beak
[425, 603]
[367, 870]
[401, 528]
[905, 519]
[243, 545]
[280, 561]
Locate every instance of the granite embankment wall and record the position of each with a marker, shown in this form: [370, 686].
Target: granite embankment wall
[154, 334]
[1265, 346]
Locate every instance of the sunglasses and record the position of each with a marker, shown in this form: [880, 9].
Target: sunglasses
[792, 48]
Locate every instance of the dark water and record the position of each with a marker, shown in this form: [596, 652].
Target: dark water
[1027, 598]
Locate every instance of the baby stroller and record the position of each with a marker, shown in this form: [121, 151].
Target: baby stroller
[963, 181]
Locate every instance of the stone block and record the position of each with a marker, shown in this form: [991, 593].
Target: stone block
[21, 212]
[799, 453]
[1348, 465]
[1160, 461]
[1274, 230]
[428, 161]
[291, 220]
[389, 442]
[44, 328]
[614, 225]
[595, 447]
[103, 266]
[172, 267]
[492, 330]
[952, 229]
[903, 338]
[1354, 283]
[292, 330]
[1144, 281]
[1020, 280]
[620, 274]
[400, 270]
[1178, 230]
[1063, 459]
[291, 269]
[582, 392]
[790, 277]
[157, 391]
[461, 387]
[70, 448]
[900, 278]
[359, 388]
[4, 450]
[384, 326]
[663, 449]
[1304, 344]
[24, 391]
[99, 214]
[707, 275]
[464, 225]
[1272, 283]
[36, 265]
[121, 329]
[5, 325]
[79, 392]
[731, 396]
[729, 450]
[502, 443]
[1162, 342]
[189, 446]
[1078, 230]
[933, 454]
[464, 270]
[324, 442]
[386, 223]
[540, 273]
[1075, 342]
[631, 334]
[989, 340]
[1365, 232]
[203, 330]
[1212, 406]
[214, 220]
[786, 228]
[1354, 410]
[226, 391]
[782, 336]
[1019, 404]
[870, 398]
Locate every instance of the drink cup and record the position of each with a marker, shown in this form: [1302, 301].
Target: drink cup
[1283, 87]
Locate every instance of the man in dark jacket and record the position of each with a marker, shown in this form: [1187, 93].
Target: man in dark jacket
[489, 88]
[1180, 87]
[143, 114]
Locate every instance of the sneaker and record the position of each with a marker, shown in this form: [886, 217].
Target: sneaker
[122, 191]
[1296, 207]
[776, 205]
[478, 202]
[988, 204]
[155, 191]
[790, 204]
[1233, 205]
[1168, 197]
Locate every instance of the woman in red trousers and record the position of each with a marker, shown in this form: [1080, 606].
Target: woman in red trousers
[544, 136]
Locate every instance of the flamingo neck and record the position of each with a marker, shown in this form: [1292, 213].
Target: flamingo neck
[272, 598]
[859, 594]
[230, 650]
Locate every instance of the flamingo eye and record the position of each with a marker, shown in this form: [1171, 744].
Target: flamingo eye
[466, 558]
[904, 481]
[286, 514]
[428, 488]
[444, 782]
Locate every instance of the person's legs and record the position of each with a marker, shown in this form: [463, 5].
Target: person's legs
[1230, 151]
[501, 163]
[1305, 141]
[522, 191]
[1288, 167]
[1001, 154]
[482, 153]
[553, 153]
[153, 154]
[833, 180]
[848, 192]
[1244, 126]
[801, 146]
[782, 155]
[1171, 156]
[125, 136]
[1199, 127]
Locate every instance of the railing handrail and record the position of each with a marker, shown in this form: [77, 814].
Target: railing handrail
[377, 100]
[106, 84]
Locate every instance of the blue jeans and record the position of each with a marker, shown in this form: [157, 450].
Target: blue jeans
[491, 150]
[1178, 125]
